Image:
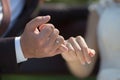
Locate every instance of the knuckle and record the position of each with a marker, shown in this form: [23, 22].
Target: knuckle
[61, 39]
[71, 51]
[71, 38]
[78, 50]
[51, 25]
[48, 30]
[80, 37]
[56, 31]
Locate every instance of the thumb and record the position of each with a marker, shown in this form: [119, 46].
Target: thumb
[38, 21]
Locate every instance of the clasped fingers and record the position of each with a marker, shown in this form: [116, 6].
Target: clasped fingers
[78, 50]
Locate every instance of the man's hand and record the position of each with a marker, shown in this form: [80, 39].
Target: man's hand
[38, 43]
[78, 51]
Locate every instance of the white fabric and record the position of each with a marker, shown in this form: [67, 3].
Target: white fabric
[100, 6]
[109, 42]
[19, 54]
[1, 13]
[109, 74]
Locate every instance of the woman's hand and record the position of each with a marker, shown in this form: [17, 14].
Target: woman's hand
[78, 51]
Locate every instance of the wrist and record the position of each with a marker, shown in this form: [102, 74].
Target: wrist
[24, 48]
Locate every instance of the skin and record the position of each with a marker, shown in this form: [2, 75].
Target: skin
[79, 57]
[39, 41]
[40, 44]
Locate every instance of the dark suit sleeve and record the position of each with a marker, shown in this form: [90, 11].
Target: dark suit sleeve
[8, 63]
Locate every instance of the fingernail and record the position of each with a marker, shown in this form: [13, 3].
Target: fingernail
[92, 53]
[46, 17]
[89, 62]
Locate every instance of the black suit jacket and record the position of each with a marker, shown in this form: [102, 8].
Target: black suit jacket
[8, 62]
[7, 55]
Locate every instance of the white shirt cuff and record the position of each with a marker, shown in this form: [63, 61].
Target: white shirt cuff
[19, 54]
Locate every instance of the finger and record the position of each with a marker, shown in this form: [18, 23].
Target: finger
[42, 26]
[84, 48]
[53, 37]
[38, 21]
[91, 52]
[69, 55]
[46, 32]
[58, 42]
[77, 48]
[70, 48]
[58, 51]
[71, 52]
[63, 48]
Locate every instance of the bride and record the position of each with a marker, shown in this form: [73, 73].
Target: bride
[103, 35]
[107, 28]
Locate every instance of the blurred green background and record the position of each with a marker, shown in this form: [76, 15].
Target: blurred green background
[68, 1]
[42, 77]
[74, 2]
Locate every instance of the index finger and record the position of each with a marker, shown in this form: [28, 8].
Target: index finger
[38, 21]
[84, 48]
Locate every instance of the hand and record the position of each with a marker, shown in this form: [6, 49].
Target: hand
[43, 43]
[78, 51]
